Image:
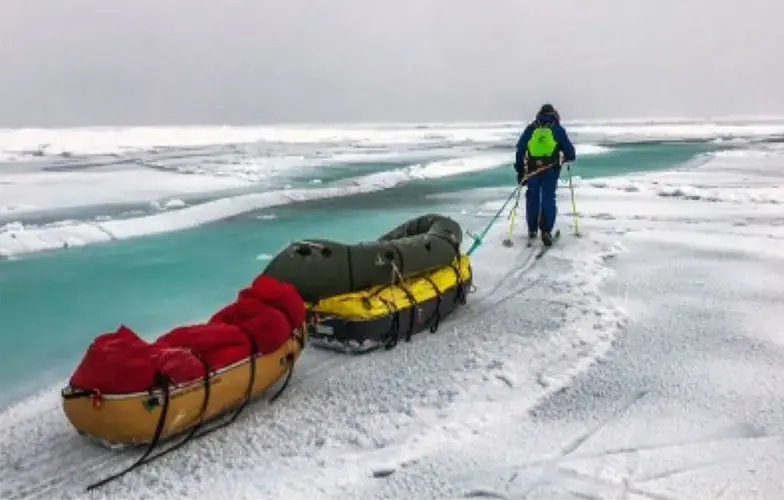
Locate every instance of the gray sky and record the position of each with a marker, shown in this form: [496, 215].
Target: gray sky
[105, 62]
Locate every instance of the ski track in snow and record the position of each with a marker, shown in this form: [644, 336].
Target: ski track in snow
[633, 362]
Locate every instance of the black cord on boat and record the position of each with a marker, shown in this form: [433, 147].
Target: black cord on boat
[435, 318]
[162, 382]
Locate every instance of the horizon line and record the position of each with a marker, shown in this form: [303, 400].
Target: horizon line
[647, 120]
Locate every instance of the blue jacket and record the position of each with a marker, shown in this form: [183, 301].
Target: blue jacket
[564, 143]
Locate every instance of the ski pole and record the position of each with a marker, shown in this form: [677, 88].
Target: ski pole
[508, 241]
[574, 206]
[479, 238]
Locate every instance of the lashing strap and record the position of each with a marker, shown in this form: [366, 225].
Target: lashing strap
[392, 336]
[162, 382]
[415, 308]
[436, 317]
[460, 295]
[254, 350]
[290, 362]
[202, 411]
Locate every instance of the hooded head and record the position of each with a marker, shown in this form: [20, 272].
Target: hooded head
[547, 114]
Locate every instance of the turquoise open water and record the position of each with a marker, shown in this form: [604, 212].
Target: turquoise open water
[53, 304]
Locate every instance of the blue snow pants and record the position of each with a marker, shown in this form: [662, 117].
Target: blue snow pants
[540, 196]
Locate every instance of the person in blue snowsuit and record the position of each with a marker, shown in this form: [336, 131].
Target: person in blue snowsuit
[543, 147]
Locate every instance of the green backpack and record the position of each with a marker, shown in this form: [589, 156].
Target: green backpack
[542, 143]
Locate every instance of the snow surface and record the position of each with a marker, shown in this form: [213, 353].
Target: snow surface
[44, 191]
[642, 360]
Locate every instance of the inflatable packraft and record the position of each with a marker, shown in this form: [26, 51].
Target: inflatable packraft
[382, 315]
[127, 391]
[370, 294]
[325, 268]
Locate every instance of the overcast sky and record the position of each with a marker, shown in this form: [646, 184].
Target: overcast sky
[105, 62]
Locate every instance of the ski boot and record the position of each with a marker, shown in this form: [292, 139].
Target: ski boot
[531, 238]
[547, 238]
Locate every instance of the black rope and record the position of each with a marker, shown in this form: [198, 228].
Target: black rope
[412, 317]
[414, 304]
[462, 292]
[414, 312]
[290, 362]
[436, 317]
[377, 291]
[254, 350]
[394, 330]
[390, 339]
[162, 382]
[460, 295]
[202, 412]
[248, 392]
[289, 374]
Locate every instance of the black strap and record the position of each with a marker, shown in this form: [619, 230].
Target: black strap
[460, 295]
[436, 317]
[290, 362]
[377, 291]
[391, 337]
[413, 317]
[414, 303]
[162, 382]
[202, 411]
[394, 331]
[254, 350]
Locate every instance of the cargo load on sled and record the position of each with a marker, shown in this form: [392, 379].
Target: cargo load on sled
[370, 294]
[193, 379]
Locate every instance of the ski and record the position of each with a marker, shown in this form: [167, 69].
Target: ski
[544, 249]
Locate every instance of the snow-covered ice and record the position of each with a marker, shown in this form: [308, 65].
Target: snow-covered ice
[642, 360]
[38, 191]
[17, 238]
[51, 169]
[113, 140]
